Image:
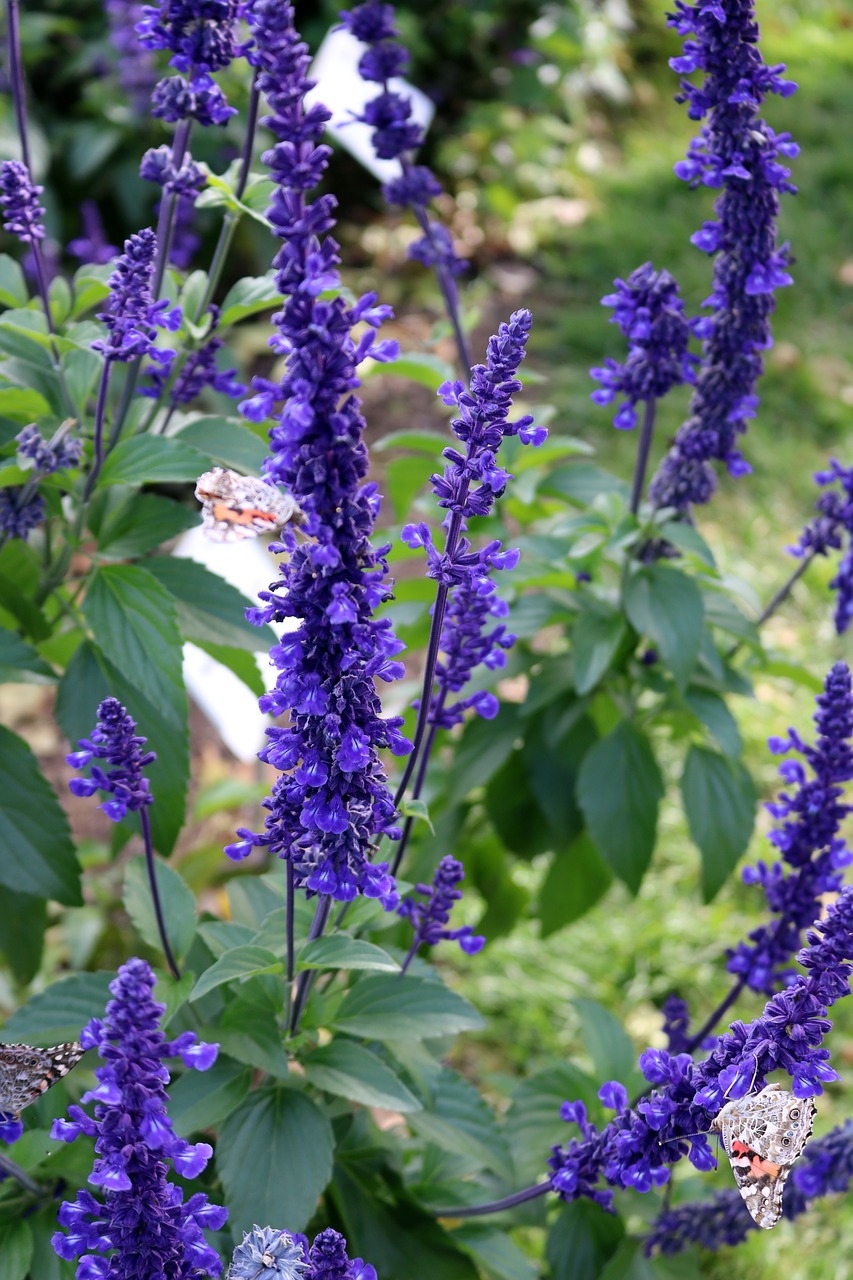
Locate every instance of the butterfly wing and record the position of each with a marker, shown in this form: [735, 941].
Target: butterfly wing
[26, 1072]
[763, 1136]
[237, 507]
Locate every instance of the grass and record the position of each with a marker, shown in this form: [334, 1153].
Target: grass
[630, 954]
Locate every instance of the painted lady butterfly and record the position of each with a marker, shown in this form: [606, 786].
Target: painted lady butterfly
[763, 1136]
[237, 507]
[26, 1073]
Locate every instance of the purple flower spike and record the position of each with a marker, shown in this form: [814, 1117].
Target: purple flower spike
[808, 822]
[22, 213]
[59, 455]
[199, 371]
[649, 311]
[113, 740]
[429, 919]
[328, 1260]
[20, 512]
[143, 1223]
[332, 800]
[134, 317]
[137, 69]
[827, 532]
[92, 246]
[200, 38]
[738, 151]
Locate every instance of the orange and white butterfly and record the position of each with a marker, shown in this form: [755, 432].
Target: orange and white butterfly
[764, 1135]
[238, 506]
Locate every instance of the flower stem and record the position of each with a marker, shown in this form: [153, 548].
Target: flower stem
[496, 1206]
[100, 414]
[16, 80]
[780, 596]
[12, 1170]
[303, 986]
[155, 893]
[288, 987]
[643, 450]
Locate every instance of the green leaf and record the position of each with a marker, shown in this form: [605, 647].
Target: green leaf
[382, 1007]
[16, 1249]
[595, 643]
[60, 1011]
[689, 540]
[237, 964]
[249, 296]
[210, 610]
[202, 1099]
[20, 663]
[533, 1123]
[416, 809]
[149, 459]
[228, 441]
[13, 286]
[81, 369]
[142, 524]
[348, 1070]
[133, 619]
[665, 605]
[582, 482]
[37, 854]
[719, 800]
[581, 1241]
[712, 710]
[405, 476]
[629, 1262]
[176, 899]
[88, 679]
[611, 1049]
[619, 790]
[23, 404]
[576, 880]
[244, 666]
[274, 1156]
[495, 1251]
[250, 1033]
[338, 951]
[459, 1120]
[429, 443]
[485, 746]
[22, 924]
[90, 287]
[417, 366]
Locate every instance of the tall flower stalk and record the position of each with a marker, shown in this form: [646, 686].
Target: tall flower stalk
[738, 151]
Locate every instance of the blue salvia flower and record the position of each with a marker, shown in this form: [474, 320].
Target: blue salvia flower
[429, 919]
[649, 311]
[738, 151]
[114, 741]
[268, 1254]
[199, 371]
[328, 1260]
[395, 135]
[825, 1167]
[332, 800]
[133, 316]
[47, 458]
[828, 532]
[21, 511]
[158, 165]
[199, 34]
[676, 1024]
[22, 213]
[92, 246]
[137, 69]
[467, 642]
[142, 1227]
[806, 834]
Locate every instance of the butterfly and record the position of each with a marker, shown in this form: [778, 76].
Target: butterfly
[237, 507]
[26, 1072]
[763, 1136]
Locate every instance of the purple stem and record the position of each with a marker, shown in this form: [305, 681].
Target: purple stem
[646, 433]
[165, 220]
[155, 893]
[290, 928]
[496, 1206]
[419, 783]
[303, 986]
[16, 80]
[100, 414]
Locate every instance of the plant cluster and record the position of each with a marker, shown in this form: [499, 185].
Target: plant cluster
[300, 1005]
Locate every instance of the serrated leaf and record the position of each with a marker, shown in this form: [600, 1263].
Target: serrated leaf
[250, 1033]
[382, 1007]
[209, 609]
[582, 482]
[338, 951]
[719, 800]
[144, 523]
[236, 965]
[533, 1123]
[133, 619]
[581, 1240]
[149, 459]
[22, 924]
[619, 791]
[249, 296]
[459, 1120]
[176, 899]
[495, 1251]
[577, 878]
[607, 1043]
[37, 855]
[712, 710]
[255, 1157]
[244, 666]
[348, 1070]
[228, 441]
[60, 1011]
[202, 1099]
[665, 605]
